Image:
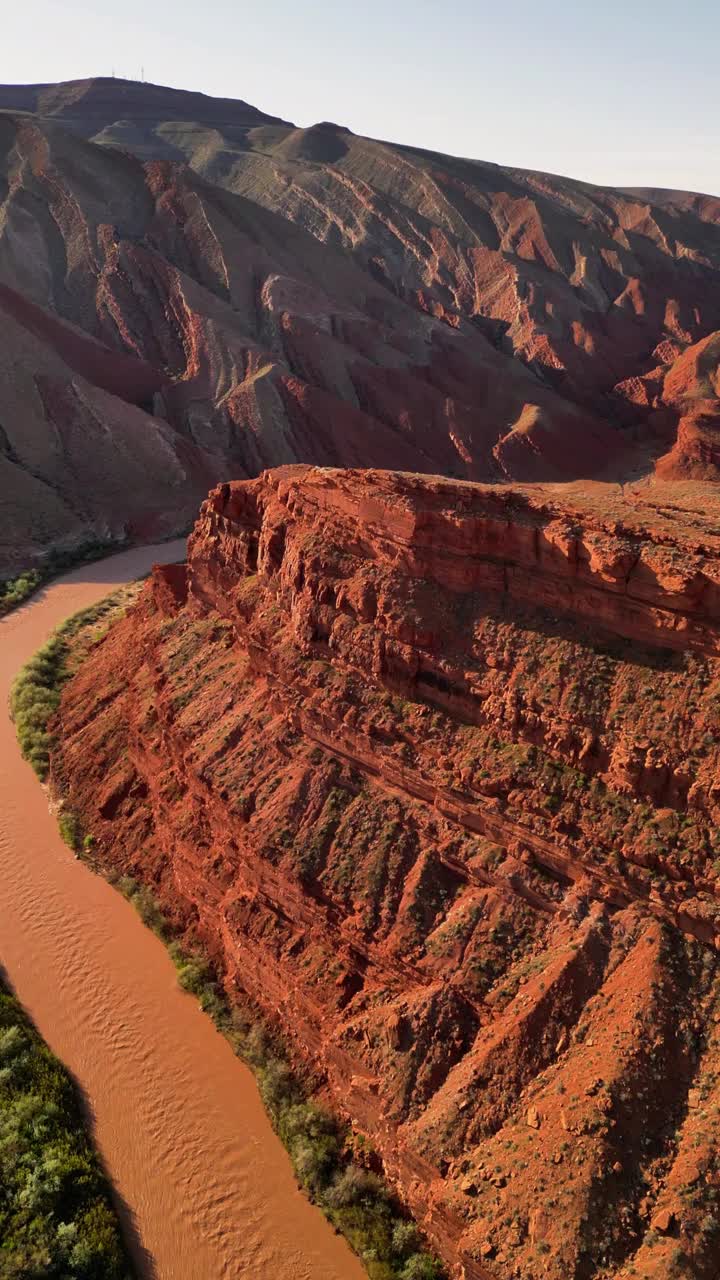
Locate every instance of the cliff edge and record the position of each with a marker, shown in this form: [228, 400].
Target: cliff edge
[431, 770]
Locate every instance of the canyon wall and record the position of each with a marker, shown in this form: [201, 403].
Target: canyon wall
[431, 770]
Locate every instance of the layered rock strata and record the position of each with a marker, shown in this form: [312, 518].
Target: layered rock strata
[431, 770]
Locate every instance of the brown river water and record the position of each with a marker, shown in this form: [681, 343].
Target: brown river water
[204, 1187]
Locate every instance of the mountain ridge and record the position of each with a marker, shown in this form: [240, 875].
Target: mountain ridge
[97, 96]
[310, 295]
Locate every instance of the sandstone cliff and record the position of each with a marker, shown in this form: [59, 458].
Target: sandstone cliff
[431, 769]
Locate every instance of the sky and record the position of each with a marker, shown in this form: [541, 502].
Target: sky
[618, 92]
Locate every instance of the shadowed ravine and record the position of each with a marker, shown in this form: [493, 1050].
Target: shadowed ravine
[178, 1119]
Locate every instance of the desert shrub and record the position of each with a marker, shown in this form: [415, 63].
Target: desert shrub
[70, 830]
[34, 698]
[406, 1239]
[36, 692]
[15, 591]
[352, 1186]
[147, 909]
[420, 1267]
[56, 1217]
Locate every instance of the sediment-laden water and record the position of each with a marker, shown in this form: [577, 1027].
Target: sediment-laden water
[204, 1184]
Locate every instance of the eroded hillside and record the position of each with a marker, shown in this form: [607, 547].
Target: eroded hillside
[163, 333]
[199, 290]
[431, 771]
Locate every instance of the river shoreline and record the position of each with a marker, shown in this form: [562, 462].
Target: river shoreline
[207, 1187]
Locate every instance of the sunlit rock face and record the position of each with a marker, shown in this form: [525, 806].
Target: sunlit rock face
[430, 769]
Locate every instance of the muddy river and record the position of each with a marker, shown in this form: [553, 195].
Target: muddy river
[204, 1186]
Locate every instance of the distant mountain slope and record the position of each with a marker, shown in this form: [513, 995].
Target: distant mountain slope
[94, 103]
[256, 344]
[309, 295]
[78, 456]
[579, 282]
[584, 281]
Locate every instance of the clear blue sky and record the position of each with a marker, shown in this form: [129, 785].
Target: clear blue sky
[613, 91]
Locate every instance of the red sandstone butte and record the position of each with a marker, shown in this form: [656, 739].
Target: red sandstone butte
[431, 770]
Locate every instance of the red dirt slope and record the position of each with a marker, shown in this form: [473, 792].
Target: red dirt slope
[432, 770]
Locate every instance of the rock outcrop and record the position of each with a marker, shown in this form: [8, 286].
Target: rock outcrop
[683, 397]
[431, 770]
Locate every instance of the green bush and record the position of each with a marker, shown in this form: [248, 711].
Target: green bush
[15, 591]
[36, 691]
[406, 1239]
[144, 903]
[420, 1267]
[56, 1217]
[353, 1185]
[70, 830]
[34, 698]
